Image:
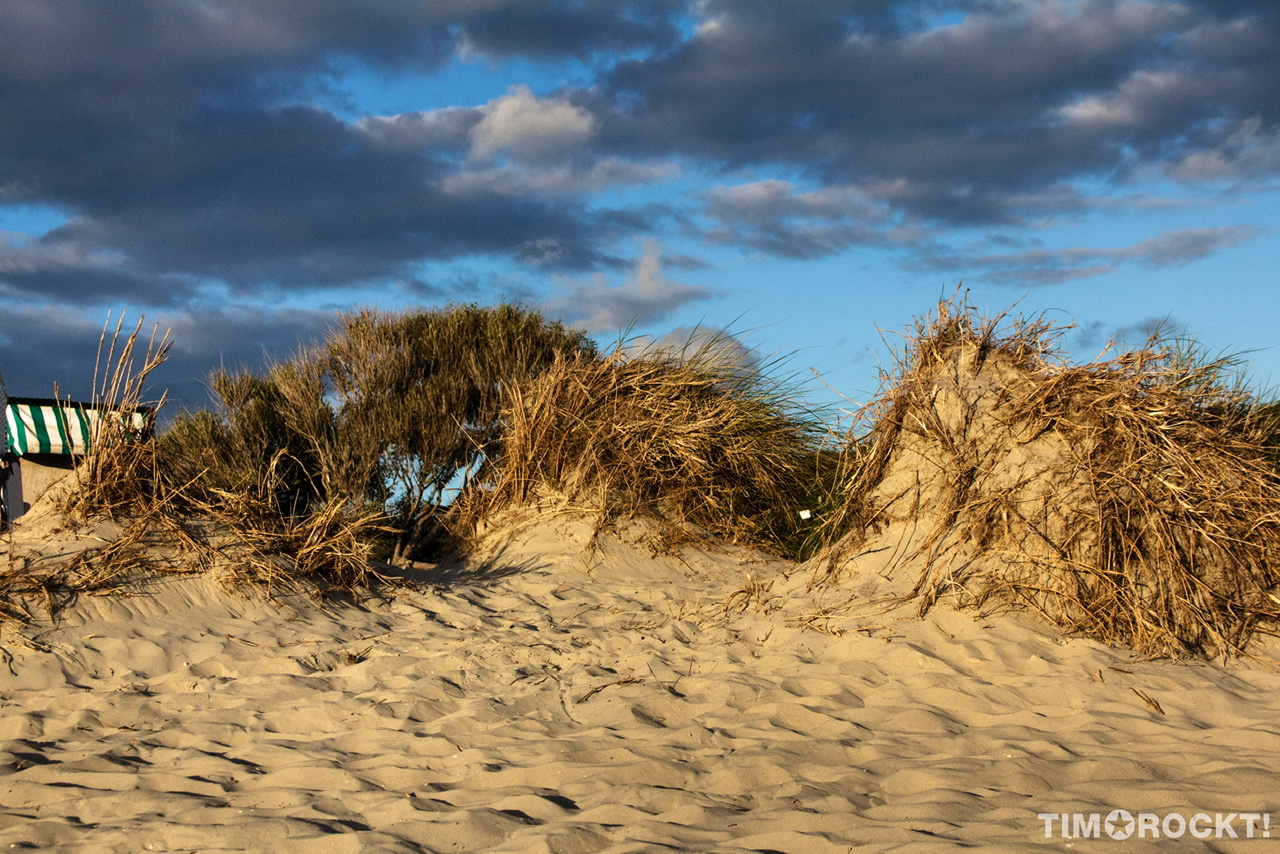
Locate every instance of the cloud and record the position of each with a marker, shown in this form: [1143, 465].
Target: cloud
[529, 128]
[960, 123]
[62, 268]
[771, 200]
[285, 199]
[702, 343]
[195, 158]
[40, 348]
[185, 142]
[194, 118]
[1244, 151]
[646, 297]
[1187, 245]
[774, 217]
[1033, 267]
[1134, 104]
[540, 28]
[1102, 338]
[446, 128]
[559, 179]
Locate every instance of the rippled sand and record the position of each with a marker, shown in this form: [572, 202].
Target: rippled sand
[563, 700]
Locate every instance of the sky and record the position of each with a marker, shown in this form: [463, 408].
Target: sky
[811, 176]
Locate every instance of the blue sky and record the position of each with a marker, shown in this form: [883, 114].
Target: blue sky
[812, 176]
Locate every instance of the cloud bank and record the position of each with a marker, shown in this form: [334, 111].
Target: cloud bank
[213, 160]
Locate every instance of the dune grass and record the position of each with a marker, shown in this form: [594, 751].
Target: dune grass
[119, 471]
[694, 442]
[1133, 499]
[117, 485]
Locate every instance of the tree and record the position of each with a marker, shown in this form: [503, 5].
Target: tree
[425, 390]
[391, 409]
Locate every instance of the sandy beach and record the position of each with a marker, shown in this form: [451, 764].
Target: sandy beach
[711, 426]
[565, 698]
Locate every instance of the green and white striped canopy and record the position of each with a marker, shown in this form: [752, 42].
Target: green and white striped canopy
[56, 427]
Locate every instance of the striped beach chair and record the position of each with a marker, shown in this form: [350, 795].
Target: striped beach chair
[47, 427]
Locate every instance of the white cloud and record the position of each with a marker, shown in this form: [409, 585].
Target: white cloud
[1184, 246]
[21, 253]
[530, 128]
[1142, 96]
[447, 126]
[701, 344]
[1248, 151]
[646, 296]
[533, 180]
[769, 200]
[773, 217]
[518, 124]
[1053, 266]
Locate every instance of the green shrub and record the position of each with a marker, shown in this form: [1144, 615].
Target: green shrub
[391, 409]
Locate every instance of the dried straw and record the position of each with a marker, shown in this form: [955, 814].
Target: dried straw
[119, 472]
[329, 548]
[1132, 499]
[695, 443]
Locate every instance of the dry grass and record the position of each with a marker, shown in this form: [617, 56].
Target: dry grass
[1131, 499]
[119, 472]
[154, 517]
[115, 488]
[145, 543]
[329, 547]
[391, 409]
[695, 443]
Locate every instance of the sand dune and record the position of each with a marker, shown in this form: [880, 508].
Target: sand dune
[554, 698]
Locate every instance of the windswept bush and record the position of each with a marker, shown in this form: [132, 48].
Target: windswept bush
[227, 448]
[1131, 499]
[301, 472]
[261, 468]
[693, 441]
[428, 389]
[391, 410]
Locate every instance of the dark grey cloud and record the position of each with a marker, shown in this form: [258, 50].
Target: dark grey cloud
[189, 146]
[42, 348]
[174, 132]
[956, 124]
[291, 197]
[579, 28]
[92, 286]
[70, 272]
[1098, 339]
[1036, 266]
[777, 218]
[175, 137]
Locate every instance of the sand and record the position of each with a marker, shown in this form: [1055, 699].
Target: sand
[562, 699]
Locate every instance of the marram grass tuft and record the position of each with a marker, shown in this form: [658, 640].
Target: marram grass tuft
[1133, 499]
[695, 443]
